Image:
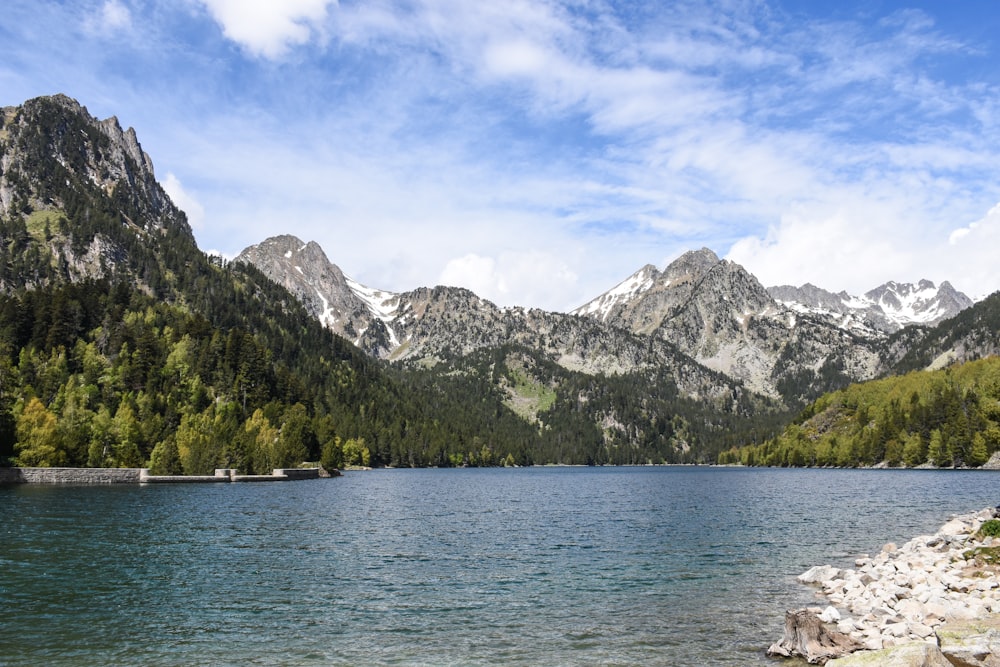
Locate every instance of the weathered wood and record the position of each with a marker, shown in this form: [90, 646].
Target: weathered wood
[807, 637]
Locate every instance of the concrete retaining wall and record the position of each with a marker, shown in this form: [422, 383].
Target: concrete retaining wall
[69, 475]
[141, 475]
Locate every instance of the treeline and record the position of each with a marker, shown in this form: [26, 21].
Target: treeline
[942, 418]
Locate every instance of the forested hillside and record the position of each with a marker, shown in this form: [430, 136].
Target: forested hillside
[626, 419]
[943, 418]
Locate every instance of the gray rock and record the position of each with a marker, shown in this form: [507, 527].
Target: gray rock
[973, 643]
[917, 654]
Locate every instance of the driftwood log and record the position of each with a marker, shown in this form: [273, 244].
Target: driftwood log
[806, 636]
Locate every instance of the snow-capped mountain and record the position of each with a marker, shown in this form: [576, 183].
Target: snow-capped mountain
[885, 309]
[441, 322]
[697, 317]
[358, 313]
[719, 314]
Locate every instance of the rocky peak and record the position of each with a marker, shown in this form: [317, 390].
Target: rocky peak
[352, 310]
[691, 266]
[882, 310]
[627, 290]
[56, 136]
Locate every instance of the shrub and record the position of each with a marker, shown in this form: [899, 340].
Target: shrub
[990, 528]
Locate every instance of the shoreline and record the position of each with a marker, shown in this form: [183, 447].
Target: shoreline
[924, 593]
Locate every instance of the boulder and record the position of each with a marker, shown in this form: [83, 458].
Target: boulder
[974, 643]
[917, 654]
[819, 574]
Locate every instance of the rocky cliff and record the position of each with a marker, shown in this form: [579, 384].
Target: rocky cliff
[73, 183]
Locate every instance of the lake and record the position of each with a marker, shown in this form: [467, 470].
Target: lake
[534, 566]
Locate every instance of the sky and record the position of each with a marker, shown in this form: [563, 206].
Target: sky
[539, 153]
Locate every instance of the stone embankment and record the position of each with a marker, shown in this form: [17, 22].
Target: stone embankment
[69, 475]
[940, 590]
[142, 476]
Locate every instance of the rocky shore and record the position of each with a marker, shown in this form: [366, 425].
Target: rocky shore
[935, 598]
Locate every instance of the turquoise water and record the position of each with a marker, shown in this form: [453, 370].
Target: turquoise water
[536, 566]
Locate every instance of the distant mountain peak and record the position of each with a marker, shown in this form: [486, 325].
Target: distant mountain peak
[885, 309]
[626, 290]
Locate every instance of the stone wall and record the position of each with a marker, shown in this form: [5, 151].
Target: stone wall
[140, 475]
[69, 475]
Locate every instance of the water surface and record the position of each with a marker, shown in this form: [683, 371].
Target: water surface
[535, 566]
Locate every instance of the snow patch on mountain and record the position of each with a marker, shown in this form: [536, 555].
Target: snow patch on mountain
[627, 290]
[383, 305]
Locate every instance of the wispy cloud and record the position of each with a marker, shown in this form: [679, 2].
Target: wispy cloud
[539, 152]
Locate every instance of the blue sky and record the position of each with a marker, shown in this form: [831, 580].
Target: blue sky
[540, 152]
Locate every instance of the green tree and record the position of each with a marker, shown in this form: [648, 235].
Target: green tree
[101, 439]
[938, 450]
[332, 454]
[165, 459]
[197, 450]
[127, 437]
[356, 453]
[978, 453]
[297, 441]
[38, 441]
[262, 443]
[914, 450]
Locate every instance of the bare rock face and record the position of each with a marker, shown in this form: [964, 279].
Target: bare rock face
[58, 136]
[439, 322]
[718, 313]
[349, 309]
[806, 636]
[908, 655]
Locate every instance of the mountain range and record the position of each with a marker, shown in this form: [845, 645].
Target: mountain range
[782, 342]
[109, 314]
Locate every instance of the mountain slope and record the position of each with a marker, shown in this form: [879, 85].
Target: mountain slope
[626, 397]
[443, 323]
[945, 418]
[972, 334]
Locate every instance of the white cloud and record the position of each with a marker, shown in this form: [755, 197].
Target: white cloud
[184, 201]
[864, 245]
[834, 252]
[113, 17]
[116, 15]
[268, 28]
[528, 277]
[476, 273]
[971, 255]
